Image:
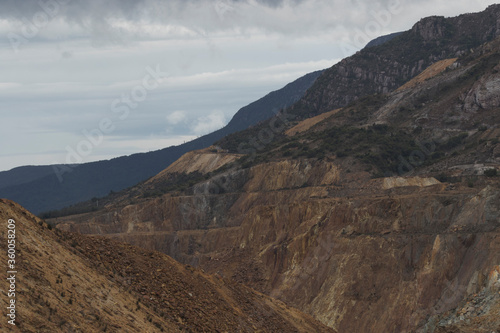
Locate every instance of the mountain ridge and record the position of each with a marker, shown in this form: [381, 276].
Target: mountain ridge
[52, 187]
[385, 67]
[382, 216]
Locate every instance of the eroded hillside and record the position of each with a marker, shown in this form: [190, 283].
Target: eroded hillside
[73, 283]
[338, 253]
[381, 216]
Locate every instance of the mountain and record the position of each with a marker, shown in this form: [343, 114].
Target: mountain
[373, 209]
[383, 68]
[72, 283]
[43, 188]
[382, 39]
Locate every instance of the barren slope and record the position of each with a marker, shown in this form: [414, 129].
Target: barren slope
[382, 217]
[203, 161]
[72, 283]
[306, 124]
[375, 258]
[429, 72]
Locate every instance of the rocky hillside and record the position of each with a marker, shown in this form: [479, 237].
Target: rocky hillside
[382, 216]
[386, 66]
[385, 255]
[381, 68]
[379, 216]
[72, 283]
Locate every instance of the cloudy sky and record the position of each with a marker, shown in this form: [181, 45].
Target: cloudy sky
[84, 80]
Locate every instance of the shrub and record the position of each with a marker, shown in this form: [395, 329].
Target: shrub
[443, 178]
[455, 141]
[437, 155]
[490, 172]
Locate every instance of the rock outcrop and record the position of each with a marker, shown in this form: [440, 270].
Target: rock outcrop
[383, 68]
[378, 257]
[313, 219]
[485, 94]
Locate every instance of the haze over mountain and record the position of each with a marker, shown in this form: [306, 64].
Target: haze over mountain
[43, 188]
[64, 65]
[371, 204]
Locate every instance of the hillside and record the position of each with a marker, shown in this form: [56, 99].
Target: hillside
[385, 67]
[396, 247]
[382, 39]
[380, 216]
[72, 283]
[43, 188]
[380, 68]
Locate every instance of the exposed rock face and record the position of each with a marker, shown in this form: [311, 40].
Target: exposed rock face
[376, 258]
[73, 283]
[485, 94]
[290, 174]
[430, 28]
[386, 67]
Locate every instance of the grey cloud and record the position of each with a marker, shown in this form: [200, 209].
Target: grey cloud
[66, 55]
[125, 21]
[95, 17]
[80, 10]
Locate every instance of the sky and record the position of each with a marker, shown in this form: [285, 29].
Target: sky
[86, 80]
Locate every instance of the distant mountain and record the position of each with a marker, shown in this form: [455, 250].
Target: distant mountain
[42, 188]
[24, 174]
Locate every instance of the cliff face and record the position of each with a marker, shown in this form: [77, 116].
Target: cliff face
[72, 283]
[379, 256]
[313, 219]
[383, 68]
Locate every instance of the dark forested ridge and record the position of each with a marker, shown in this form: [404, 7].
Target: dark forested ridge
[42, 188]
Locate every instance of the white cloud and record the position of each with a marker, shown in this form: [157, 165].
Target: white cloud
[221, 55]
[176, 117]
[206, 124]
[284, 72]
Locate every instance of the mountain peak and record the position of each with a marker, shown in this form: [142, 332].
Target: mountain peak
[480, 27]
